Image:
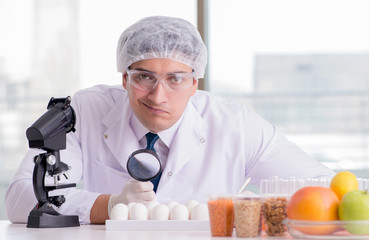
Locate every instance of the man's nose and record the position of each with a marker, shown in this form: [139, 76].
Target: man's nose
[158, 94]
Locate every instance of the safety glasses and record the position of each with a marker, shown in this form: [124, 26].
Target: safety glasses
[173, 82]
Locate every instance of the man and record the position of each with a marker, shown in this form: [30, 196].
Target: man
[206, 145]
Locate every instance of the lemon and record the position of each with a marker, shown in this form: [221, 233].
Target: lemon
[344, 182]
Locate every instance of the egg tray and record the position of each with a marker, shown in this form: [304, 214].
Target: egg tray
[158, 225]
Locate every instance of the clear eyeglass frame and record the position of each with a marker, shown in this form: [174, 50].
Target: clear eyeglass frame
[146, 80]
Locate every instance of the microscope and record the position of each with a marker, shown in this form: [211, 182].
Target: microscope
[49, 133]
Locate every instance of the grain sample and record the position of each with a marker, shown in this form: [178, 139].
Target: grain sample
[247, 217]
[221, 216]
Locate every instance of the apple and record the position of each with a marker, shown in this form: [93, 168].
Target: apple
[354, 206]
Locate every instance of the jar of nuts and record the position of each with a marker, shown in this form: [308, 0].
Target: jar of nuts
[274, 212]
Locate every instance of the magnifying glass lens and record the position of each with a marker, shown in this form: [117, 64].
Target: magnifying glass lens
[143, 165]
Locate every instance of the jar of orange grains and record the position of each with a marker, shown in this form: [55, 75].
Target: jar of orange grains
[221, 215]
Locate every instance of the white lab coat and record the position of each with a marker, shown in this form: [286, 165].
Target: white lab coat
[217, 145]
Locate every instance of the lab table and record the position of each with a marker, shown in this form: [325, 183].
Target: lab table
[9, 231]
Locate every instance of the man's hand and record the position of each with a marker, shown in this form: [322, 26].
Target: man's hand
[133, 191]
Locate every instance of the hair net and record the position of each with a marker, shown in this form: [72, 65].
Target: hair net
[162, 37]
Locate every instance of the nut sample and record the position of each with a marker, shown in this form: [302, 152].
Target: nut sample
[274, 209]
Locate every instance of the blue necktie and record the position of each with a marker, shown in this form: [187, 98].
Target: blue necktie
[151, 139]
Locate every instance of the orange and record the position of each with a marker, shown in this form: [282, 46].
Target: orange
[344, 182]
[314, 204]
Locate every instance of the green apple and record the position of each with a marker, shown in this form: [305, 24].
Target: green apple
[354, 206]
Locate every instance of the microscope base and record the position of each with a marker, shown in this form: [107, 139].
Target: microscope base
[39, 219]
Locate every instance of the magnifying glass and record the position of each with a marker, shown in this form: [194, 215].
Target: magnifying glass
[143, 165]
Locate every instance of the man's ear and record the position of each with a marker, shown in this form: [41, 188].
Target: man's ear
[124, 80]
[194, 86]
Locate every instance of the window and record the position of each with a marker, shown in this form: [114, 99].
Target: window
[302, 65]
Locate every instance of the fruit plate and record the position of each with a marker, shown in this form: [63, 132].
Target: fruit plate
[158, 225]
[328, 230]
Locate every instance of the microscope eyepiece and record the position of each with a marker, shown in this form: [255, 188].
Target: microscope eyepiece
[49, 131]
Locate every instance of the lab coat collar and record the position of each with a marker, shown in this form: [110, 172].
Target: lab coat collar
[190, 138]
[166, 136]
[119, 137]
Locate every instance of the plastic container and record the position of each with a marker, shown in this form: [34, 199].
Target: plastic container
[288, 186]
[328, 229]
[247, 215]
[221, 216]
[274, 213]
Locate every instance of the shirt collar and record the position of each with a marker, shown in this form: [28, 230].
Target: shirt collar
[166, 136]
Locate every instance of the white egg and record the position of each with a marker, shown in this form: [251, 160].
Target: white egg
[200, 212]
[119, 212]
[138, 212]
[171, 204]
[129, 205]
[179, 212]
[191, 204]
[150, 205]
[160, 212]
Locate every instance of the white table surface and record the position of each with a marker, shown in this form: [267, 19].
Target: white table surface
[9, 231]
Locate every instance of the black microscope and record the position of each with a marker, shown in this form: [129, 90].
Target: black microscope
[49, 133]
